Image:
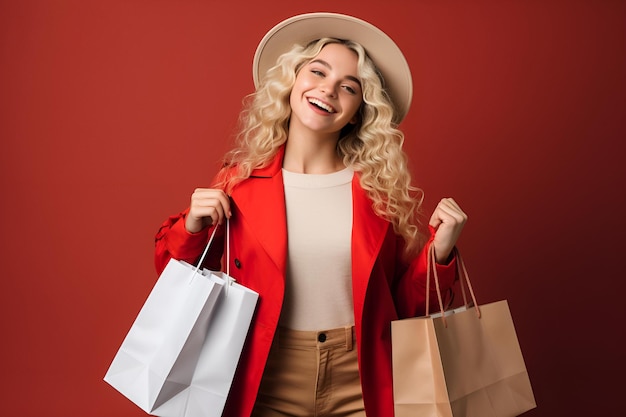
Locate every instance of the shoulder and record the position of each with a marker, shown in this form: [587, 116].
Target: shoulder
[251, 168]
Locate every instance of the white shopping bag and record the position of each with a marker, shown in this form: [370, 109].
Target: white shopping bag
[215, 369]
[159, 354]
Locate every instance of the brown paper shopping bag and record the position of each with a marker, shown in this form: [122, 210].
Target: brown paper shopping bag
[464, 362]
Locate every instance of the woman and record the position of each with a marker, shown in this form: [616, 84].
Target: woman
[323, 221]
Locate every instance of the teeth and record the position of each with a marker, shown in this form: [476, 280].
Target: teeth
[319, 104]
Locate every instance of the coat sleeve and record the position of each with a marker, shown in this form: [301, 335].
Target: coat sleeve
[174, 241]
[410, 292]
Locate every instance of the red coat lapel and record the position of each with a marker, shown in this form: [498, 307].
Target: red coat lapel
[261, 202]
[368, 234]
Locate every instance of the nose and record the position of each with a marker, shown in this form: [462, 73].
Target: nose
[329, 89]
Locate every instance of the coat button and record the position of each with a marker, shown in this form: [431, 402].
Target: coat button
[321, 337]
[237, 263]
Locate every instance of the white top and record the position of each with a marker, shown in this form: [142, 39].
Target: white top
[318, 291]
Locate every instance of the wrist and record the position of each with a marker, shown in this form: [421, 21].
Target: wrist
[192, 225]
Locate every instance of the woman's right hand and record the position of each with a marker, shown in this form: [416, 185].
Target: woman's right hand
[208, 206]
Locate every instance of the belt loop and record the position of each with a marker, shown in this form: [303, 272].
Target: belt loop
[348, 338]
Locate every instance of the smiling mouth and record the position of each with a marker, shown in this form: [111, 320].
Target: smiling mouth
[320, 105]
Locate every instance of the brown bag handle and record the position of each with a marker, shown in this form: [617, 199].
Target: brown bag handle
[431, 270]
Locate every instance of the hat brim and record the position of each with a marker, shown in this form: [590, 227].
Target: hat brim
[304, 28]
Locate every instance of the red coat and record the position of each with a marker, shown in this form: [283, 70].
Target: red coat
[384, 288]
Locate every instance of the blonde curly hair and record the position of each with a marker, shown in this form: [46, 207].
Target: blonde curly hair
[372, 147]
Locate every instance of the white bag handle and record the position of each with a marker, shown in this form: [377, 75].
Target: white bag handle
[206, 249]
[228, 247]
[230, 279]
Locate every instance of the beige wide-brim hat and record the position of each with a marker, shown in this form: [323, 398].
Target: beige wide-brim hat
[304, 28]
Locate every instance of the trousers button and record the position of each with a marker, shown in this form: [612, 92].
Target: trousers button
[321, 337]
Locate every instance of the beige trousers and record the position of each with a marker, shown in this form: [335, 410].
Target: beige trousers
[311, 374]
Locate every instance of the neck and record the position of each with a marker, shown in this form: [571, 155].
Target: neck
[312, 154]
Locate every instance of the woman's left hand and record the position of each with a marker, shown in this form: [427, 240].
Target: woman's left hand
[448, 220]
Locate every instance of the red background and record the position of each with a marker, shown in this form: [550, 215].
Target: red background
[111, 112]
